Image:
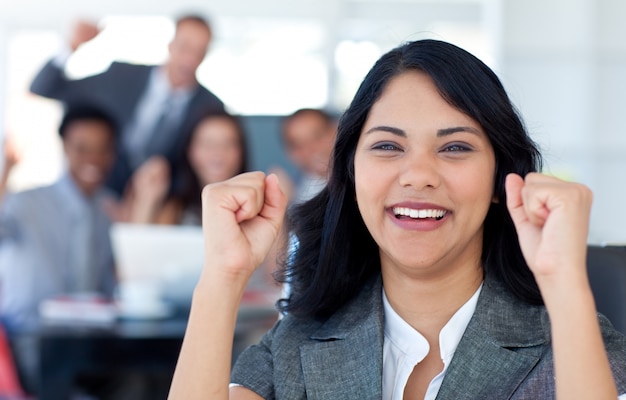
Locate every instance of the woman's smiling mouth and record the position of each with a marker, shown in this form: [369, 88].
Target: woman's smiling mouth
[430, 213]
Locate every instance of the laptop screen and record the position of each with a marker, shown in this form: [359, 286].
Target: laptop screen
[169, 257]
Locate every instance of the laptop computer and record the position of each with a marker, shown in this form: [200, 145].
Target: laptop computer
[169, 258]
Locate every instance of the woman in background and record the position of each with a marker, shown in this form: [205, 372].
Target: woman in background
[216, 151]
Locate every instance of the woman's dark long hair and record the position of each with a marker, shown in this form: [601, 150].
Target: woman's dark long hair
[336, 254]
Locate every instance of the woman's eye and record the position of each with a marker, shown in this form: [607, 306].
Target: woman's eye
[386, 146]
[456, 148]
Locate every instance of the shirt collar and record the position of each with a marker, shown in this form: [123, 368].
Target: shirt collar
[160, 86]
[411, 342]
[74, 198]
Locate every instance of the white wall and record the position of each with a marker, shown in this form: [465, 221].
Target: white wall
[564, 64]
[58, 13]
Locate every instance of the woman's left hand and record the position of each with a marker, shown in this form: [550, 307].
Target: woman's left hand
[551, 217]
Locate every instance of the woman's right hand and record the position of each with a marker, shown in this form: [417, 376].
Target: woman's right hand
[241, 218]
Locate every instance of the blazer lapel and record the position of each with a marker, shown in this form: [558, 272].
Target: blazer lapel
[500, 347]
[135, 81]
[351, 342]
[481, 369]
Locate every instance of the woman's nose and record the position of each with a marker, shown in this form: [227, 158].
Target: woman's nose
[420, 172]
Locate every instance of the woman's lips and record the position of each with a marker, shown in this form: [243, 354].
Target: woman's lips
[418, 217]
[422, 213]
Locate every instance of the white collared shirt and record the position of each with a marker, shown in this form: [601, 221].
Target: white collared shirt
[158, 97]
[404, 348]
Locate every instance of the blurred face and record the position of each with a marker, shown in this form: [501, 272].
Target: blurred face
[309, 141]
[215, 151]
[187, 51]
[90, 150]
[424, 178]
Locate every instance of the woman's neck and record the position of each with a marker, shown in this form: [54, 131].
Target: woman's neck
[428, 303]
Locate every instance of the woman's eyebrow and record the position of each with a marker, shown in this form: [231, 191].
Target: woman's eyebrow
[450, 131]
[390, 129]
[440, 132]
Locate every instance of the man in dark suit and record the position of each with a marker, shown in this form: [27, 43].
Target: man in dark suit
[154, 105]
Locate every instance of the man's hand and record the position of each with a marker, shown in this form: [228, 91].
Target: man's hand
[83, 32]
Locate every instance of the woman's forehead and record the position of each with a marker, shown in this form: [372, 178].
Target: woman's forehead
[412, 99]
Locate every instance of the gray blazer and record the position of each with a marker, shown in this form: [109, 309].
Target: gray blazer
[505, 353]
[118, 91]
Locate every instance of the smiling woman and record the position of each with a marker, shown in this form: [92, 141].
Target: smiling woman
[437, 263]
[428, 157]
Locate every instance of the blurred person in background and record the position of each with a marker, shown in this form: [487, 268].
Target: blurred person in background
[54, 240]
[308, 136]
[154, 104]
[216, 151]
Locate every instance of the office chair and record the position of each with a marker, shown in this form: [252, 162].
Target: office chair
[606, 266]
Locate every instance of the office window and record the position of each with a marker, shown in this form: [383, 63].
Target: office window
[265, 66]
[352, 61]
[30, 120]
[256, 65]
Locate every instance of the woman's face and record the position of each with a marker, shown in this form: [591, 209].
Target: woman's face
[215, 151]
[424, 176]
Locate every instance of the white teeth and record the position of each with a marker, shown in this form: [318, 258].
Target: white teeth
[416, 214]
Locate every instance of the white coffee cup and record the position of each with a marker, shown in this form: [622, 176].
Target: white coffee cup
[139, 298]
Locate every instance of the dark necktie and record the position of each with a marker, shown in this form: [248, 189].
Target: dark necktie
[163, 133]
[84, 255]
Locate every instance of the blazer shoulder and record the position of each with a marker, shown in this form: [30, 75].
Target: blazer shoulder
[40, 193]
[255, 368]
[615, 344]
[206, 98]
[508, 320]
[27, 205]
[118, 67]
[286, 364]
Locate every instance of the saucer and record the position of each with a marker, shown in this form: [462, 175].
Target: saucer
[144, 311]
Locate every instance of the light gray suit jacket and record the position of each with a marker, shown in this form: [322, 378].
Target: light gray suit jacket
[505, 353]
[38, 229]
